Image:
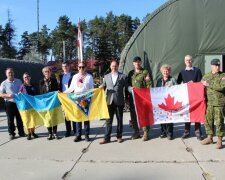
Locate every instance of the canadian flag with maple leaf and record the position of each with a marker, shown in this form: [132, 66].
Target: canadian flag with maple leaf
[179, 103]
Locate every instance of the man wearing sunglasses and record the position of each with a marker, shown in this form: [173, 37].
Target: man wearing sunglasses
[81, 81]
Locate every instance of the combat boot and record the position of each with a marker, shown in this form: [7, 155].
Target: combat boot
[145, 136]
[208, 140]
[219, 143]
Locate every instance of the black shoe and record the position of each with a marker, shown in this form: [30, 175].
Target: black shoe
[29, 137]
[169, 137]
[34, 135]
[200, 137]
[11, 137]
[56, 136]
[186, 135]
[77, 139]
[50, 137]
[67, 134]
[162, 136]
[87, 138]
[22, 135]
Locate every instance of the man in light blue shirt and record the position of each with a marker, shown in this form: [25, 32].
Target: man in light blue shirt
[8, 89]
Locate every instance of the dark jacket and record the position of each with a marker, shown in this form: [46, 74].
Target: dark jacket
[53, 86]
[60, 81]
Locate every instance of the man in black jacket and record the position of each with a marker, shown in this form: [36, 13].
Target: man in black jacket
[64, 82]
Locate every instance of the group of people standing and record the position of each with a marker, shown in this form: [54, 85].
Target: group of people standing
[214, 83]
[68, 82]
[118, 87]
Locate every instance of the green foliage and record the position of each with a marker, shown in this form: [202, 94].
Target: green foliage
[6, 37]
[104, 39]
[25, 45]
[65, 31]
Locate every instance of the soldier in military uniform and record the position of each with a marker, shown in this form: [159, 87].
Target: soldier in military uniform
[215, 95]
[138, 78]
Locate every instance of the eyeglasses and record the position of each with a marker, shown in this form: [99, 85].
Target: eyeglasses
[81, 67]
[46, 71]
[25, 77]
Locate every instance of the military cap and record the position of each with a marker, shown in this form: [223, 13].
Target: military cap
[137, 58]
[215, 62]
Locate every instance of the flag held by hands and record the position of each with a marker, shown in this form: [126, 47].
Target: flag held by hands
[84, 106]
[42, 109]
[179, 103]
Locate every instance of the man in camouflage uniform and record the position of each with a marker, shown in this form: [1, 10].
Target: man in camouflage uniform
[215, 95]
[138, 78]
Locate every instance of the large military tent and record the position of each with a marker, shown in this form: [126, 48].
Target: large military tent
[178, 28]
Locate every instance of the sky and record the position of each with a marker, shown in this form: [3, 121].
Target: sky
[24, 12]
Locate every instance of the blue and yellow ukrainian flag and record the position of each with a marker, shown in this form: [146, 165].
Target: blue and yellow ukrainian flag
[42, 109]
[86, 105]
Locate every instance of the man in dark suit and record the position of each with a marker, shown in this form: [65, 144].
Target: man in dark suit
[64, 82]
[115, 84]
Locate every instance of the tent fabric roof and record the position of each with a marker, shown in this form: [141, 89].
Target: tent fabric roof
[177, 28]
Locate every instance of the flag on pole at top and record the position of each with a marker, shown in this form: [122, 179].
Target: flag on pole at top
[80, 43]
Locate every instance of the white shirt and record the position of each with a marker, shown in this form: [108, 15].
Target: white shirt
[189, 68]
[10, 87]
[65, 80]
[114, 77]
[80, 83]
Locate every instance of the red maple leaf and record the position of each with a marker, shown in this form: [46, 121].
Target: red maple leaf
[170, 106]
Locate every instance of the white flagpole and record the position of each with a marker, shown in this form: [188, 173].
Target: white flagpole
[80, 43]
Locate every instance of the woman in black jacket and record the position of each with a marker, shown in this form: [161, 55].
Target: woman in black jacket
[49, 84]
[28, 88]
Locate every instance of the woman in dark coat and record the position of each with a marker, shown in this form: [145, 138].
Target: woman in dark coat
[28, 88]
[49, 84]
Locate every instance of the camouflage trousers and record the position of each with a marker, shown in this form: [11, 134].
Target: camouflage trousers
[215, 114]
[134, 122]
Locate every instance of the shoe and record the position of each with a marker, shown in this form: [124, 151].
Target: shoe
[87, 138]
[185, 135]
[219, 143]
[34, 135]
[162, 136]
[67, 134]
[169, 137]
[22, 135]
[77, 139]
[200, 138]
[119, 140]
[29, 137]
[11, 137]
[145, 136]
[136, 136]
[208, 140]
[50, 137]
[104, 141]
[198, 135]
[56, 136]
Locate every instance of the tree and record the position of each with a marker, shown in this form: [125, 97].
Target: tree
[25, 45]
[65, 31]
[7, 49]
[2, 39]
[44, 43]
